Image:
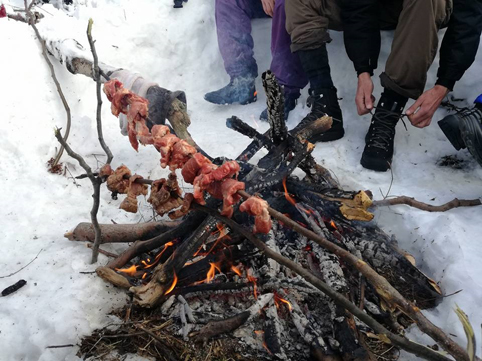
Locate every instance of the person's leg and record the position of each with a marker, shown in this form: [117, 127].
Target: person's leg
[308, 22]
[233, 25]
[414, 46]
[413, 50]
[285, 65]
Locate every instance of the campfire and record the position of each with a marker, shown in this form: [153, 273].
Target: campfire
[252, 272]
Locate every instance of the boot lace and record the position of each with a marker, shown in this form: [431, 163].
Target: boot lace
[383, 129]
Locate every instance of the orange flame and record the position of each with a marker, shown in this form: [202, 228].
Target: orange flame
[288, 197]
[333, 225]
[158, 257]
[266, 347]
[211, 272]
[174, 282]
[129, 271]
[236, 270]
[260, 333]
[278, 299]
[199, 250]
[255, 287]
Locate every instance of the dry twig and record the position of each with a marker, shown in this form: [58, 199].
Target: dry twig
[454, 203]
[14, 273]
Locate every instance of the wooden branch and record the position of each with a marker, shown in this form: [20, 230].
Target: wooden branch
[145, 246]
[164, 274]
[111, 276]
[381, 285]
[96, 183]
[99, 101]
[218, 327]
[402, 342]
[120, 233]
[95, 208]
[454, 203]
[108, 254]
[54, 77]
[278, 131]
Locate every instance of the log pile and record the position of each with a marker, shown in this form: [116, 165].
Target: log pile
[213, 277]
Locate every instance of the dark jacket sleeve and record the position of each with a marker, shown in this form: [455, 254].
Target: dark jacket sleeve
[460, 42]
[361, 31]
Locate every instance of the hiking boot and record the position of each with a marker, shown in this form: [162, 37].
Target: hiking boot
[378, 152]
[323, 102]
[290, 104]
[238, 91]
[464, 130]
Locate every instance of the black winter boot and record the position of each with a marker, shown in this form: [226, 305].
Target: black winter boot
[290, 104]
[238, 91]
[378, 152]
[464, 130]
[323, 102]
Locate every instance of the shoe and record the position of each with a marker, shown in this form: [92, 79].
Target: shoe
[238, 91]
[323, 102]
[471, 131]
[378, 152]
[290, 104]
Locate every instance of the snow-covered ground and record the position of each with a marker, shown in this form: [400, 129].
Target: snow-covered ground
[178, 49]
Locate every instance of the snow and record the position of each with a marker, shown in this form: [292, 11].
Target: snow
[178, 49]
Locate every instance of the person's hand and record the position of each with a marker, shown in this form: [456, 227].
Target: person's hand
[268, 7]
[422, 111]
[364, 94]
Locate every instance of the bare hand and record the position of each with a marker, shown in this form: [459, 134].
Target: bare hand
[364, 94]
[268, 7]
[422, 111]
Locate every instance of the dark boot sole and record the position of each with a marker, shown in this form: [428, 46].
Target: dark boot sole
[244, 102]
[472, 135]
[450, 126]
[374, 164]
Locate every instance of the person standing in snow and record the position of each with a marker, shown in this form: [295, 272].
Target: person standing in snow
[416, 23]
[233, 23]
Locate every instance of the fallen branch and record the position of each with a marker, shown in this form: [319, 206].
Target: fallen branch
[14, 273]
[402, 342]
[454, 203]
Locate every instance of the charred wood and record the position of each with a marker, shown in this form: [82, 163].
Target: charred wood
[192, 221]
[275, 102]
